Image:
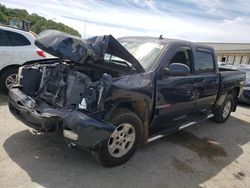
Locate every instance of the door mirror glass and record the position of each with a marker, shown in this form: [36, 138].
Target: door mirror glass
[178, 69]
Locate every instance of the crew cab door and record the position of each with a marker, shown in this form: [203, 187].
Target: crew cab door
[175, 94]
[207, 79]
[6, 50]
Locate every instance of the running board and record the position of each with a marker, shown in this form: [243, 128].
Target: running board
[182, 127]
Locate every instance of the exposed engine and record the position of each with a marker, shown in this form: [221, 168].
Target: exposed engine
[59, 85]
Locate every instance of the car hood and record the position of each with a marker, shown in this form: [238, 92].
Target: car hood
[78, 50]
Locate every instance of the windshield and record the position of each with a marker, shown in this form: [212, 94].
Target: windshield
[146, 53]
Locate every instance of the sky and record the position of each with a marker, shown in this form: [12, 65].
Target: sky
[194, 20]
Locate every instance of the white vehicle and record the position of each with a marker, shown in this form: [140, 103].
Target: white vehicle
[16, 47]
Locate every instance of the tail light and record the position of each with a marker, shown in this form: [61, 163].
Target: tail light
[41, 53]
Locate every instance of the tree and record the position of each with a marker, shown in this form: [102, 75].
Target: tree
[3, 18]
[37, 23]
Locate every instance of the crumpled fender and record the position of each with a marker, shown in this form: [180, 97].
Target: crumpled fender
[135, 92]
[90, 131]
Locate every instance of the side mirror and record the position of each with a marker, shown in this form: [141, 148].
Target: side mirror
[162, 73]
[178, 69]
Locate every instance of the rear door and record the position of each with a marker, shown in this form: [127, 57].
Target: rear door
[6, 49]
[207, 79]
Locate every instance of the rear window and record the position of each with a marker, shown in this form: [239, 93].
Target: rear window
[3, 40]
[16, 39]
[204, 62]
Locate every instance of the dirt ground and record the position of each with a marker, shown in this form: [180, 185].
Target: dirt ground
[209, 155]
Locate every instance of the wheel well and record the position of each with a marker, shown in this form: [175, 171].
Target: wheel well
[9, 67]
[234, 92]
[140, 109]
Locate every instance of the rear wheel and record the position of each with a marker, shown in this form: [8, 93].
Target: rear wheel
[122, 143]
[8, 79]
[224, 111]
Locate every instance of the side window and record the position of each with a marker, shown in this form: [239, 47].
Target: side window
[3, 40]
[184, 56]
[204, 62]
[16, 39]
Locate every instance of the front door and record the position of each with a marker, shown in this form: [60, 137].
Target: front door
[175, 94]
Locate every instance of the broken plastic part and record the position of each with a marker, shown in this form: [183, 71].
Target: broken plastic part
[83, 104]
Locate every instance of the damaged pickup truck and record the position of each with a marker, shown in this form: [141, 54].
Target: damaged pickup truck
[109, 96]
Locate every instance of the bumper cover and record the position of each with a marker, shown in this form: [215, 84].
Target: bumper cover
[90, 131]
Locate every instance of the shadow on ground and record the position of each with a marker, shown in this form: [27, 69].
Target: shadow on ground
[244, 105]
[3, 99]
[185, 159]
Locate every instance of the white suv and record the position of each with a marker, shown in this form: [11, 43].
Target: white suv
[16, 47]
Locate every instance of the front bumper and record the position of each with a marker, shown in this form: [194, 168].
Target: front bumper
[89, 130]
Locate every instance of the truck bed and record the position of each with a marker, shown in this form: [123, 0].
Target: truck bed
[230, 81]
[231, 77]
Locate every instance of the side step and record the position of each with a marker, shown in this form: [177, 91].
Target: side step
[181, 127]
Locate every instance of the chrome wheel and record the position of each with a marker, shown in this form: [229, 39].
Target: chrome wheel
[121, 140]
[11, 80]
[227, 109]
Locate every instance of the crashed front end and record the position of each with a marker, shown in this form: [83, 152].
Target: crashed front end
[79, 128]
[62, 94]
[54, 100]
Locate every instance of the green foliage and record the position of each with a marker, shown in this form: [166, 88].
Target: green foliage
[37, 23]
[3, 18]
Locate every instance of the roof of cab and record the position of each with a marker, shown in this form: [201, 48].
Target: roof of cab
[165, 41]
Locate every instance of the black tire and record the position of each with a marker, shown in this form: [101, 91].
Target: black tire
[4, 75]
[218, 113]
[120, 116]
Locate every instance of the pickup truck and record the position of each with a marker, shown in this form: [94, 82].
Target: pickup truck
[110, 96]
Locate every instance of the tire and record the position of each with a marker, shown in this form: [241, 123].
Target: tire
[5, 74]
[121, 119]
[219, 114]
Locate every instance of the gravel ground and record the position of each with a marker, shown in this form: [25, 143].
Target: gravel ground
[209, 155]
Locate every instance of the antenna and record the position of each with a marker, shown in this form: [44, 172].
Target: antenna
[84, 32]
[160, 37]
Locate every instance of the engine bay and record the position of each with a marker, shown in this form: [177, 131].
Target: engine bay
[64, 85]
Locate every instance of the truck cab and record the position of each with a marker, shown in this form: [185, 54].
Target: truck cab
[187, 84]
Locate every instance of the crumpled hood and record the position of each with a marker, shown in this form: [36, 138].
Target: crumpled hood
[66, 46]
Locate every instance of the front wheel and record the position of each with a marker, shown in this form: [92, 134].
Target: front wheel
[121, 144]
[224, 111]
